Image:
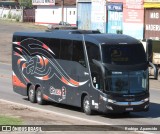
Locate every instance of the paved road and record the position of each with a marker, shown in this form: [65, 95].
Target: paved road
[6, 31]
[143, 118]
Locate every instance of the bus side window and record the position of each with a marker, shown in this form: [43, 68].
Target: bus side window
[78, 53]
[66, 50]
[94, 53]
[55, 47]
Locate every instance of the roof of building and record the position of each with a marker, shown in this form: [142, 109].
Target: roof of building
[57, 2]
[8, 3]
[66, 2]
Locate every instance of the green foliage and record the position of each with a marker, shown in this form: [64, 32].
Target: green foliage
[14, 16]
[25, 3]
[9, 15]
[18, 18]
[6, 120]
[4, 16]
[119, 31]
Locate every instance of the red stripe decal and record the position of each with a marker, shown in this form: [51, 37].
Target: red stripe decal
[74, 82]
[45, 77]
[64, 80]
[17, 82]
[44, 46]
[45, 97]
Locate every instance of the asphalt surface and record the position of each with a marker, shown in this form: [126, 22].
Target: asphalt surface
[7, 29]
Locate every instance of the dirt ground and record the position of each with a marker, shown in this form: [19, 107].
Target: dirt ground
[32, 116]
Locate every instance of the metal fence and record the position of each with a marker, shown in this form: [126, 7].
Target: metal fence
[28, 15]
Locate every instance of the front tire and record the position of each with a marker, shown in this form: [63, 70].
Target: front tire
[32, 94]
[39, 96]
[87, 106]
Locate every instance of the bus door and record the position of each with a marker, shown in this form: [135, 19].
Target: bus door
[96, 76]
[79, 72]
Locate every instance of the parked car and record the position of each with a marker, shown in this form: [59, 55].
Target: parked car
[64, 23]
[61, 25]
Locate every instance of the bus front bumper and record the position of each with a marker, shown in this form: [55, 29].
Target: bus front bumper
[120, 107]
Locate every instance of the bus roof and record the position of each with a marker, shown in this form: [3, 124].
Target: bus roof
[89, 35]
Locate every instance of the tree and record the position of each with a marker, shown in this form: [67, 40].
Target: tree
[25, 3]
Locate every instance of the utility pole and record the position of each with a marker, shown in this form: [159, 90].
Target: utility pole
[62, 5]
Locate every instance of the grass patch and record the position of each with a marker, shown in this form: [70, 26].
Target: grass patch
[7, 120]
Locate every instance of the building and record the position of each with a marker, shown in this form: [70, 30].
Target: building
[9, 0]
[152, 19]
[112, 16]
[8, 3]
[140, 18]
[54, 11]
[91, 15]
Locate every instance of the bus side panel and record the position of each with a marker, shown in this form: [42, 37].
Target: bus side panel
[34, 63]
[67, 84]
[78, 81]
[19, 84]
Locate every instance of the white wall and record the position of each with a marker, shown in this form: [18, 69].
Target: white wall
[52, 15]
[4, 12]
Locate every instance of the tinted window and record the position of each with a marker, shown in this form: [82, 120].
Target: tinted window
[16, 38]
[55, 47]
[66, 50]
[92, 51]
[123, 54]
[78, 52]
[156, 46]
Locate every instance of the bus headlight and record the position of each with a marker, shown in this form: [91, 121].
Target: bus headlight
[111, 101]
[146, 99]
[109, 107]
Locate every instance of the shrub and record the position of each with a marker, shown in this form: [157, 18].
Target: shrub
[4, 16]
[18, 18]
[14, 16]
[9, 15]
[119, 31]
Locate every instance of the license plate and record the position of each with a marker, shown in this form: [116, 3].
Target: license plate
[129, 109]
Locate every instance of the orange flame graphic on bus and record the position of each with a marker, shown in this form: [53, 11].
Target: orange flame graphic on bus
[37, 59]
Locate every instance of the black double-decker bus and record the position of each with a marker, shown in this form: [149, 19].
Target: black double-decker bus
[98, 72]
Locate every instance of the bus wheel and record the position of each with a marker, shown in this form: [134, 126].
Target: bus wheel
[87, 106]
[39, 96]
[32, 94]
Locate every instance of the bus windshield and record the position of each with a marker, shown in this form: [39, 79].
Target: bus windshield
[126, 82]
[123, 54]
